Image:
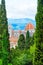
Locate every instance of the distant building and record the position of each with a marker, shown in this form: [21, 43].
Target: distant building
[30, 28]
[13, 41]
[10, 30]
[14, 34]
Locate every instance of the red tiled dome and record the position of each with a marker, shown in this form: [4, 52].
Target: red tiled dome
[29, 26]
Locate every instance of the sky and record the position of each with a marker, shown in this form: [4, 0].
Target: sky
[17, 9]
[21, 8]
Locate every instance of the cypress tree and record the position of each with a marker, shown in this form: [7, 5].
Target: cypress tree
[21, 42]
[4, 34]
[39, 34]
[0, 35]
[27, 43]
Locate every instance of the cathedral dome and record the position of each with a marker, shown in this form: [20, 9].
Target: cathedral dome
[29, 26]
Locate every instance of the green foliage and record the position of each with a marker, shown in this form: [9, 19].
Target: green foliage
[27, 37]
[32, 51]
[20, 57]
[0, 61]
[24, 43]
[4, 36]
[0, 35]
[39, 34]
[25, 56]
[27, 43]
[21, 42]
[32, 40]
[10, 64]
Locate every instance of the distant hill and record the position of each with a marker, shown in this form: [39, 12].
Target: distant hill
[19, 24]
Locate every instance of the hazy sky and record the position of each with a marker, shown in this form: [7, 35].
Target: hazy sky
[21, 8]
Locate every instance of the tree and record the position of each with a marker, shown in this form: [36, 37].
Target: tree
[32, 40]
[39, 34]
[27, 43]
[23, 57]
[4, 34]
[0, 35]
[21, 42]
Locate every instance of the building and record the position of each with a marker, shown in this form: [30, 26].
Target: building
[30, 27]
[14, 34]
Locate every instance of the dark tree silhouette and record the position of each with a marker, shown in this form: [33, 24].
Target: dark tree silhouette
[21, 42]
[27, 43]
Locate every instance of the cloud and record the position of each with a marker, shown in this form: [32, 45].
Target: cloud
[21, 8]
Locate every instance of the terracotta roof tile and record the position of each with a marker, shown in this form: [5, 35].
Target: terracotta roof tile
[29, 26]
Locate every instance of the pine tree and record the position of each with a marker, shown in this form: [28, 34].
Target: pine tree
[39, 34]
[27, 43]
[4, 34]
[21, 42]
